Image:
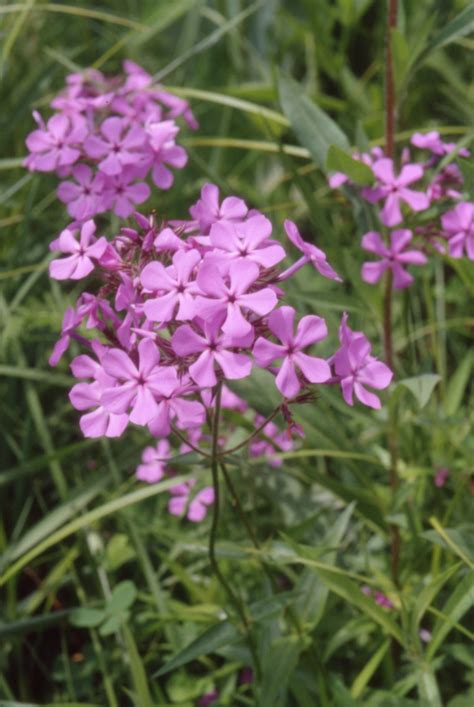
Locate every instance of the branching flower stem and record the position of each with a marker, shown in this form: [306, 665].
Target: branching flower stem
[239, 607]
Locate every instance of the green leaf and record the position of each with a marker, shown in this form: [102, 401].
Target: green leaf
[460, 601]
[122, 598]
[421, 387]
[458, 540]
[140, 682]
[83, 617]
[339, 161]
[428, 689]
[111, 625]
[280, 660]
[460, 26]
[428, 594]
[458, 384]
[218, 636]
[360, 682]
[314, 128]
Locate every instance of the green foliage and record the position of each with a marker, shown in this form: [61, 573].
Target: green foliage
[106, 599]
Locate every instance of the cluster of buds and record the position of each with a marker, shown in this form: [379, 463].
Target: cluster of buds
[451, 232]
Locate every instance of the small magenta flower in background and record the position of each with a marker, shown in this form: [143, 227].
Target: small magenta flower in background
[394, 189]
[393, 257]
[458, 227]
[441, 476]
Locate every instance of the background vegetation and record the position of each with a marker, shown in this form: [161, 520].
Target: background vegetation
[77, 530]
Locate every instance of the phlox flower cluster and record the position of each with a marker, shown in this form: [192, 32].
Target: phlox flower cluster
[183, 306]
[106, 137]
[423, 202]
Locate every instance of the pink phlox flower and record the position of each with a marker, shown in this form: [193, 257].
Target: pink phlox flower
[85, 196]
[248, 240]
[394, 190]
[310, 329]
[197, 507]
[230, 294]
[83, 252]
[83, 396]
[117, 146]
[207, 211]
[311, 254]
[458, 227]
[167, 241]
[55, 145]
[97, 310]
[162, 150]
[176, 287]
[441, 476]
[394, 257]
[71, 320]
[153, 462]
[432, 141]
[122, 192]
[214, 348]
[173, 405]
[176, 107]
[356, 368]
[379, 598]
[137, 385]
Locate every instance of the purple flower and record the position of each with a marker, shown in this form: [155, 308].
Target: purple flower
[83, 396]
[394, 190]
[233, 296]
[71, 321]
[196, 508]
[208, 698]
[171, 405]
[356, 368]
[118, 146]
[310, 329]
[206, 211]
[56, 145]
[393, 257]
[137, 385]
[441, 476]
[311, 254]
[122, 193]
[153, 466]
[80, 263]
[162, 150]
[213, 348]
[432, 141]
[247, 240]
[176, 287]
[85, 196]
[458, 225]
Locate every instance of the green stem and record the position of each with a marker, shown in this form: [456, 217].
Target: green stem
[213, 533]
[254, 434]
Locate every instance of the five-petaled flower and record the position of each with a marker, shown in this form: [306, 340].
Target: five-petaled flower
[310, 329]
[83, 252]
[394, 189]
[458, 226]
[394, 257]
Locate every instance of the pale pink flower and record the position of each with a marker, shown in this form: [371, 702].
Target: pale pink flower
[311, 254]
[394, 189]
[458, 226]
[175, 286]
[248, 240]
[122, 192]
[85, 196]
[394, 257]
[117, 146]
[214, 348]
[231, 295]
[310, 329]
[356, 368]
[153, 462]
[55, 145]
[207, 211]
[83, 253]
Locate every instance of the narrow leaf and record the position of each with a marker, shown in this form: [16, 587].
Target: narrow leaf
[340, 161]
